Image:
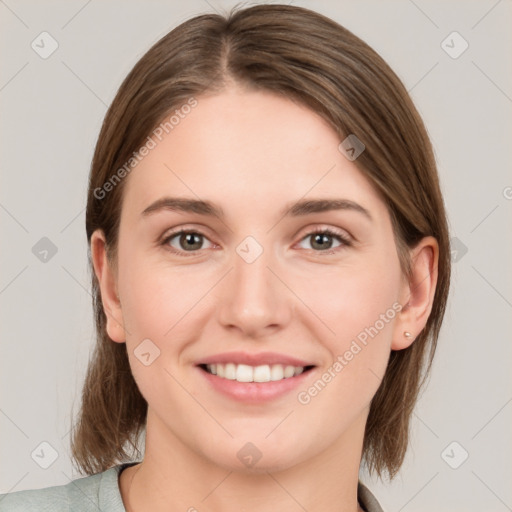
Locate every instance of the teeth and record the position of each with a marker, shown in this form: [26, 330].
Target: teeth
[230, 371]
[261, 373]
[246, 373]
[276, 372]
[288, 371]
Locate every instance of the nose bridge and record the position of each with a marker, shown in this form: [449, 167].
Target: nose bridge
[255, 299]
[251, 273]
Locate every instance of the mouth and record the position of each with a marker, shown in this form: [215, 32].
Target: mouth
[261, 373]
[254, 378]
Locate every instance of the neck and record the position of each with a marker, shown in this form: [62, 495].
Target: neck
[173, 476]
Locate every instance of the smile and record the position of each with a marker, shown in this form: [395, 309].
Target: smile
[248, 373]
[255, 378]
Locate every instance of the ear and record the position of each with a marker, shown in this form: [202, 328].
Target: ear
[108, 287]
[417, 293]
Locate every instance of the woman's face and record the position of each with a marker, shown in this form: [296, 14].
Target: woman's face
[255, 290]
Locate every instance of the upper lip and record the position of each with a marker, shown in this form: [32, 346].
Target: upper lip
[261, 358]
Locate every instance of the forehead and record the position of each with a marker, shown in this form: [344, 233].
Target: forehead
[241, 148]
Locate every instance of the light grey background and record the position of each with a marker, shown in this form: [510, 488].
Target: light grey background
[51, 113]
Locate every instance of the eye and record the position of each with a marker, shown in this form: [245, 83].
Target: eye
[322, 239]
[186, 241]
[190, 241]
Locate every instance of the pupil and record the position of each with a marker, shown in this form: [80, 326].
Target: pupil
[189, 239]
[320, 238]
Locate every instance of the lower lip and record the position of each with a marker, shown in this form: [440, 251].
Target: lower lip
[254, 392]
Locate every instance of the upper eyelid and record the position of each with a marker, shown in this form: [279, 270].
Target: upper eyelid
[173, 232]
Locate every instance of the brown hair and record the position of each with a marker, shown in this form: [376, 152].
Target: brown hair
[308, 58]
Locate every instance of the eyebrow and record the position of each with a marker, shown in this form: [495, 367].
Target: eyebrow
[297, 209]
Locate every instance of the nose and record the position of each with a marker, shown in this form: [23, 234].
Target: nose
[254, 299]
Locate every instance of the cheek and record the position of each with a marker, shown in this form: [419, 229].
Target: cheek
[350, 298]
[156, 309]
[358, 303]
[157, 295]
[162, 308]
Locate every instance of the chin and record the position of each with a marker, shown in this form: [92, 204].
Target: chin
[256, 458]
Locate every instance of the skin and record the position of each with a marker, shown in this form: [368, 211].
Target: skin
[251, 153]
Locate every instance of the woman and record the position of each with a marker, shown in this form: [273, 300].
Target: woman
[271, 266]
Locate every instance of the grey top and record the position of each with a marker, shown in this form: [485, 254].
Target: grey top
[100, 493]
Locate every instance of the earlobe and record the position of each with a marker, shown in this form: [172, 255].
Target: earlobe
[402, 340]
[417, 293]
[108, 288]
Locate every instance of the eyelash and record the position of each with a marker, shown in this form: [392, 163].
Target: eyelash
[346, 242]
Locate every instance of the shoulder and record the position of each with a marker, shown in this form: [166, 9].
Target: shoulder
[367, 500]
[55, 498]
[90, 493]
